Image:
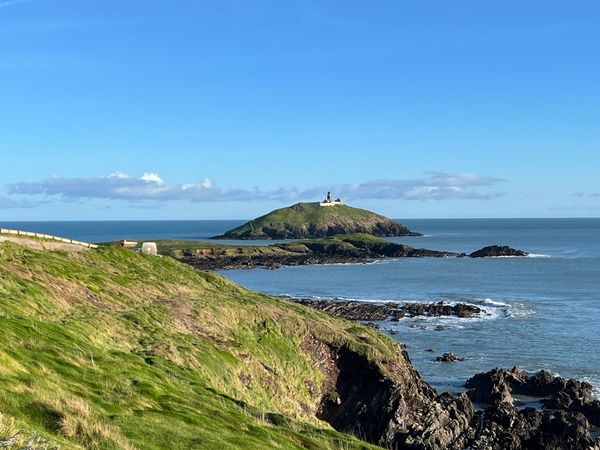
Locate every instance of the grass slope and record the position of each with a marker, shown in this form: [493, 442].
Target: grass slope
[112, 349]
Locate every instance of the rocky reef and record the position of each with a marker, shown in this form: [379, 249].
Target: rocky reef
[398, 410]
[338, 250]
[371, 311]
[497, 251]
[556, 393]
[565, 421]
[449, 357]
[343, 249]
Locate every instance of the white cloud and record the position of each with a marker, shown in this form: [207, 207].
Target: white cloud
[151, 177]
[435, 186]
[150, 186]
[6, 4]
[586, 194]
[120, 186]
[118, 175]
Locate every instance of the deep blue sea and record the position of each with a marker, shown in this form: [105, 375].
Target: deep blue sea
[542, 311]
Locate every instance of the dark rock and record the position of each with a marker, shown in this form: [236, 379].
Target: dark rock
[394, 311]
[495, 385]
[440, 328]
[591, 410]
[388, 404]
[430, 350]
[497, 250]
[393, 408]
[449, 357]
[335, 251]
[498, 385]
[504, 427]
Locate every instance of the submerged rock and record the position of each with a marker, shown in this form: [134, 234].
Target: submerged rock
[449, 357]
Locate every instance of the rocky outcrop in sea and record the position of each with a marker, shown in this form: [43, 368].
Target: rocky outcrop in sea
[375, 311]
[396, 409]
[350, 250]
[497, 251]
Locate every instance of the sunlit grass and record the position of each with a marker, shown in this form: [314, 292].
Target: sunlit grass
[113, 349]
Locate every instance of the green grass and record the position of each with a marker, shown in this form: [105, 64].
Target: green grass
[177, 248]
[301, 213]
[302, 217]
[113, 349]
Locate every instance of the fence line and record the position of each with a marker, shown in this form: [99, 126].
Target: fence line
[46, 236]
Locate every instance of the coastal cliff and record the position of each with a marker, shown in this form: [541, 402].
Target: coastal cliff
[108, 348]
[310, 220]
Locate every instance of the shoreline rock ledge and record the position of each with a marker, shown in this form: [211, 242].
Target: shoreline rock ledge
[497, 251]
[394, 311]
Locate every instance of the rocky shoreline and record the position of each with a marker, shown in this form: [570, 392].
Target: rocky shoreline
[341, 250]
[398, 410]
[394, 311]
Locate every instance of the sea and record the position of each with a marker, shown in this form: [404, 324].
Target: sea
[540, 311]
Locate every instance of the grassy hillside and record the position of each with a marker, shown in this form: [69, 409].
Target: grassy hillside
[309, 220]
[113, 349]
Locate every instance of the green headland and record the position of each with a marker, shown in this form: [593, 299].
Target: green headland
[312, 220]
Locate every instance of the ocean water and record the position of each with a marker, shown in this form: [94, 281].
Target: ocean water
[541, 312]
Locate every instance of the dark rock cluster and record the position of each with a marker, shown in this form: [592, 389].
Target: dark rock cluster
[395, 408]
[564, 422]
[339, 251]
[556, 393]
[449, 357]
[495, 251]
[370, 311]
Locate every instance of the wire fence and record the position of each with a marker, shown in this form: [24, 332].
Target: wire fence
[46, 236]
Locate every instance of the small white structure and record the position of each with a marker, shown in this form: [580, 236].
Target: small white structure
[329, 201]
[149, 248]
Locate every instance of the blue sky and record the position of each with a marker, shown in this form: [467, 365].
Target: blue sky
[149, 109]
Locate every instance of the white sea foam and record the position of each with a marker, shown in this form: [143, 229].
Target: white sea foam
[595, 382]
[357, 263]
[529, 255]
[492, 309]
[489, 301]
[520, 311]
